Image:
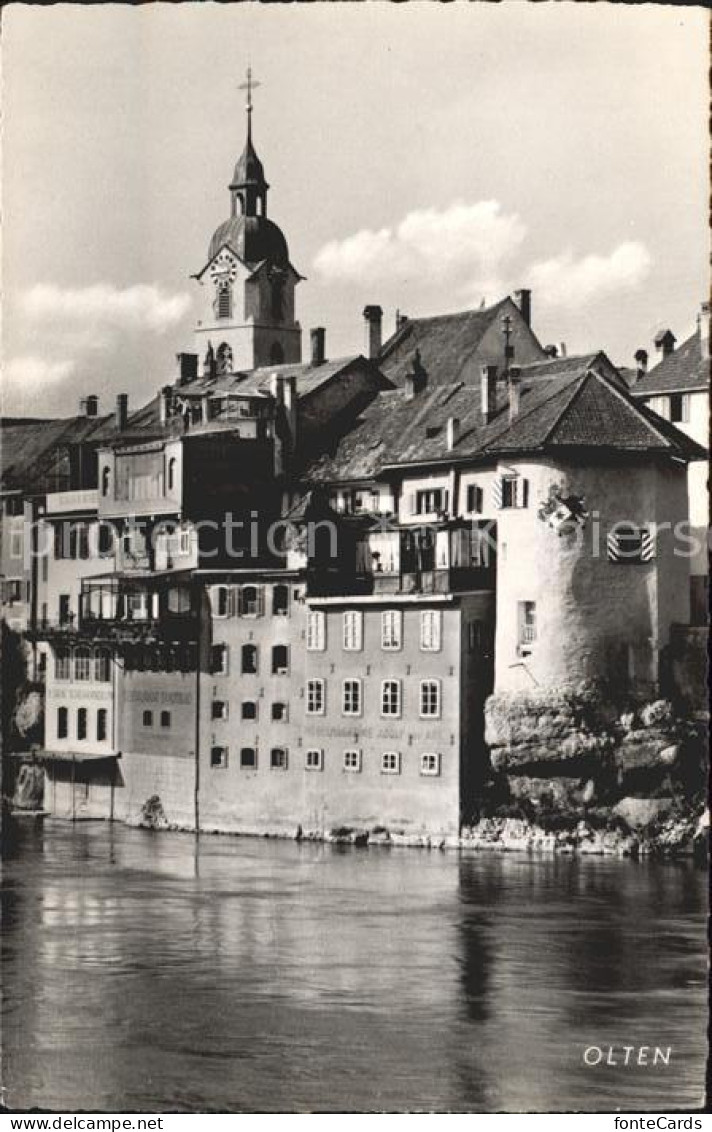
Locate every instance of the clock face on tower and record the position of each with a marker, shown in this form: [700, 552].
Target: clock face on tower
[223, 269]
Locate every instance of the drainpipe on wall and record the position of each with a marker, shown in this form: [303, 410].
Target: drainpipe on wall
[196, 796]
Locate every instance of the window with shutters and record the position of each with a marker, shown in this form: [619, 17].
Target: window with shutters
[353, 630]
[220, 601]
[351, 702]
[430, 764]
[630, 544]
[391, 629]
[250, 660]
[511, 491]
[430, 630]
[314, 759]
[474, 499]
[218, 758]
[430, 699]
[251, 601]
[431, 501]
[219, 709]
[219, 660]
[390, 762]
[278, 758]
[316, 630]
[316, 697]
[280, 660]
[280, 712]
[391, 698]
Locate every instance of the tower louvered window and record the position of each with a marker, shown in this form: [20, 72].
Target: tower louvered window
[224, 301]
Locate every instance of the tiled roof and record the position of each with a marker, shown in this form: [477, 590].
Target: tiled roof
[33, 452]
[681, 371]
[446, 344]
[578, 408]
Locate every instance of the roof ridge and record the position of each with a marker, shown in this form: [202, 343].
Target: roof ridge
[534, 408]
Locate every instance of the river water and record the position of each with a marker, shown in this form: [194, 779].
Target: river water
[160, 972]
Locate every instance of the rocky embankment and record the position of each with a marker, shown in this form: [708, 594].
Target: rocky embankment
[572, 771]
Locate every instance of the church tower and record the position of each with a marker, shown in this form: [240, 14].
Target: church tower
[247, 305]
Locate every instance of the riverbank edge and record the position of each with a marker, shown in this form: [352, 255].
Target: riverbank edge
[686, 838]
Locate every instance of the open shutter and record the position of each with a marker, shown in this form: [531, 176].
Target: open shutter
[647, 544]
[523, 492]
[260, 601]
[497, 489]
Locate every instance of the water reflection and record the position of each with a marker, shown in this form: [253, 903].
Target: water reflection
[164, 972]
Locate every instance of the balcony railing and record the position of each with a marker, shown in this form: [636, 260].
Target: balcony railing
[453, 579]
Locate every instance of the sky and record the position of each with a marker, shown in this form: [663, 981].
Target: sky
[421, 156]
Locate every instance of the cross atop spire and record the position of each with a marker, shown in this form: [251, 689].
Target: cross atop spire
[249, 86]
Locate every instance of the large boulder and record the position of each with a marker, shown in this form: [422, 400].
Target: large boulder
[575, 753]
[639, 813]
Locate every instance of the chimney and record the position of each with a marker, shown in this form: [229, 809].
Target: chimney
[122, 411]
[165, 403]
[641, 358]
[488, 387]
[705, 331]
[89, 406]
[417, 379]
[318, 346]
[551, 351]
[523, 299]
[665, 340]
[453, 432]
[401, 320]
[515, 392]
[187, 368]
[374, 330]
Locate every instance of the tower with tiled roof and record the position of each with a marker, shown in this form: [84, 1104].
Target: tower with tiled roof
[247, 299]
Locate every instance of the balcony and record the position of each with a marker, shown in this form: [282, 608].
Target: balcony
[119, 609]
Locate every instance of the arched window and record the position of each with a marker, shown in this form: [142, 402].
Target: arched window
[276, 354]
[105, 479]
[171, 473]
[224, 301]
[223, 359]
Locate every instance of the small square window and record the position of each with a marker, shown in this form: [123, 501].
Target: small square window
[278, 758]
[219, 709]
[148, 719]
[280, 712]
[165, 719]
[352, 761]
[248, 758]
[249, 709]
[390, 762]
[430, 765]
[218, 757]
[314, 759]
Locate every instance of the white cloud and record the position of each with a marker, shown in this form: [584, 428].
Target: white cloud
[460, 245]
[103, 307]
[29, 374]
[566, 282]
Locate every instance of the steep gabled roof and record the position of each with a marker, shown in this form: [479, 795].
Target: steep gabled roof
[682, 371]
[446, 343]
[579, 409]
